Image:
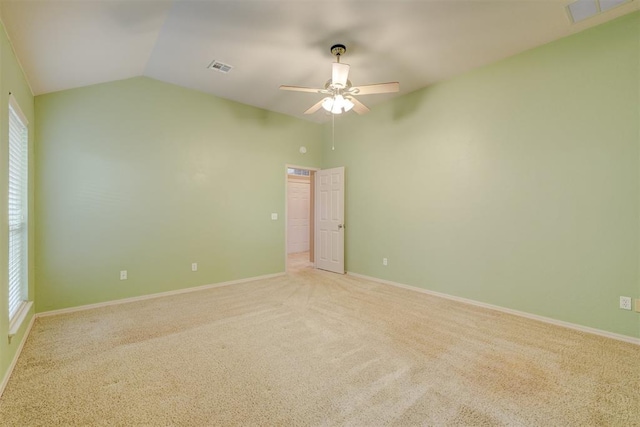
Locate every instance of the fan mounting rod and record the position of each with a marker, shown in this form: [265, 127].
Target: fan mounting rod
[337, 50]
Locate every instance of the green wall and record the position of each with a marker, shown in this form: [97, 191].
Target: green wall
[516, 184]
[12, 80]
[148, 177]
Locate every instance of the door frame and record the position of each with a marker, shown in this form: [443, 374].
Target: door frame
[286, 207]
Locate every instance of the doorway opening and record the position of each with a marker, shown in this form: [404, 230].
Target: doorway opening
[299, 214]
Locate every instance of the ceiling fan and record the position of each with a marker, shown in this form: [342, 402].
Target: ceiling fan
[340, 93]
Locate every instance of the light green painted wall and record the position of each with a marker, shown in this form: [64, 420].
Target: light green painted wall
[148, 177]
[516, 184]
[12, 80]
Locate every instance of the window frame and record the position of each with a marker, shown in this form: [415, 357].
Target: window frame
[18, 313]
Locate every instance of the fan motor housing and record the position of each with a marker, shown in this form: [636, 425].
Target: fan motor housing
[338, 49]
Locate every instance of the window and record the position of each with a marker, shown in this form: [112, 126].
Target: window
[300, 172]
[18, 165]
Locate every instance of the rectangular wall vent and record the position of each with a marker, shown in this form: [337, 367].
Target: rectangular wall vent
[219, 66]
[580, 10]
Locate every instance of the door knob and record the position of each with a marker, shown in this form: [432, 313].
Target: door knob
[340, 226]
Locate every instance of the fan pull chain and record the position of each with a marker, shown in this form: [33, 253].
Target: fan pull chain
[333, 132]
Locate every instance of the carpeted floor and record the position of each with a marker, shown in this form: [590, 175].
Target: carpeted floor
[315, 348]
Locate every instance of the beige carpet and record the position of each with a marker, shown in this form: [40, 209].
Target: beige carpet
[315, 348]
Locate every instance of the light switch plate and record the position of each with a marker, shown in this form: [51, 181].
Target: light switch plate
[274, 216]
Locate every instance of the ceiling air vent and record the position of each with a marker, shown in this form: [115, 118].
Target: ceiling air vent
[219, 66]
[580, 10]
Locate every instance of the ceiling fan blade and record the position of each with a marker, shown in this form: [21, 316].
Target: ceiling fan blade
[302, 89]
[315, 107]
[339, 74]
[375, 88]
[358, 106]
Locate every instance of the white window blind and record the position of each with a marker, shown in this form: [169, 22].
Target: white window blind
[18, 164]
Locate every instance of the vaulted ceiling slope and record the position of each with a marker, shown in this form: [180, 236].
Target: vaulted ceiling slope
[64, 44]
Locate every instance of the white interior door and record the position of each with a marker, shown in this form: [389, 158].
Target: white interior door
[329, 218]
[298, 209]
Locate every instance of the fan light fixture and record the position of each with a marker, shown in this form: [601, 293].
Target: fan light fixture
[337, 104]
[340, 95]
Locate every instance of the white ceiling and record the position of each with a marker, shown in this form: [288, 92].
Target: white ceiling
[64, 44]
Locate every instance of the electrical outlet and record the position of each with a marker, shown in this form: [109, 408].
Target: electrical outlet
[385, 261]
[625, 303]
[123, 275]
[274, 216]
[194, 266]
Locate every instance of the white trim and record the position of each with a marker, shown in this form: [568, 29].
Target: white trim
[7, 374]
[156, 295]
[16, 322]
[13, 102]
[286, 209]
[544, 319]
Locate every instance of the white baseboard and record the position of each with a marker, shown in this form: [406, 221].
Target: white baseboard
[156, 295]
[7, 374]
[544, 319]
